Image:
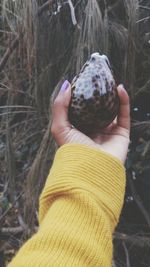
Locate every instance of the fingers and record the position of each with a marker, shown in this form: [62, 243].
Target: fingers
[60, 109]
[123, 119]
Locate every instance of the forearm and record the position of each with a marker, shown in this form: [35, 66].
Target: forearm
[79, 209]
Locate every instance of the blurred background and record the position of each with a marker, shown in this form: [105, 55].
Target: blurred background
[42, 43]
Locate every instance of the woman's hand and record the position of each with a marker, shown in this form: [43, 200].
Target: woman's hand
[113, 139]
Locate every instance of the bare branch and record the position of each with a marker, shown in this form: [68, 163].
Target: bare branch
[12, 230]
[73, 17]
[126, 254]
[147, 18]
[136, 240]
[144, 7]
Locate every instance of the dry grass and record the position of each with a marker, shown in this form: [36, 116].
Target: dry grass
[49, 49]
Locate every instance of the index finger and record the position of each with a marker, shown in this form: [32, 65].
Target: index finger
[123, 119]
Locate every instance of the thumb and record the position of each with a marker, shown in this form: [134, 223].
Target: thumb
[123, 119]
[60, 109]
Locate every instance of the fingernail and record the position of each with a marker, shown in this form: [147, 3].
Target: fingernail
[122, 86]
[64, 86]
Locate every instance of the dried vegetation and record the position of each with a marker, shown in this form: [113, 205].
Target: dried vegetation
[41, 44]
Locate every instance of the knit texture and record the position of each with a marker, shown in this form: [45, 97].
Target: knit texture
[79, 210]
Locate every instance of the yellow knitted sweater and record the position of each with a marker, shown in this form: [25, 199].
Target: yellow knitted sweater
[79, 209]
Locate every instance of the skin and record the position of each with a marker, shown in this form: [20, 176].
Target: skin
[113, 140]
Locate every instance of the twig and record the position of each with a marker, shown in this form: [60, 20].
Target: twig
[16, 112]
[144, 7]
[140, 124]
[126, 254]
[143, 19]
[10, 158]
[73, 17]
[137, 199]
[146, 149]
[16, 106]
[137, 240]
[20, 218]
[13, 230]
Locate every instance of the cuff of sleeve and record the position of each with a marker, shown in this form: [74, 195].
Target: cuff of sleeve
[79, 167]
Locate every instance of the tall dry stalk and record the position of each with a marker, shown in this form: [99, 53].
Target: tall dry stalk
[132, 16]
[93, 33]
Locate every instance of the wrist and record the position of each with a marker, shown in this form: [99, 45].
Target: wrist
[83, 167]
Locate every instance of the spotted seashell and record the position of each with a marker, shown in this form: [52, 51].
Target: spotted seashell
[95, 102]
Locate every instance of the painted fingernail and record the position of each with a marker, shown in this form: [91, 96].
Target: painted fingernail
[64, 86]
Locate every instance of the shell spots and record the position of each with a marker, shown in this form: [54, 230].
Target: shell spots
[82, 96]
[107, 85]
[96, 85]
[74, 102]
[96, 93]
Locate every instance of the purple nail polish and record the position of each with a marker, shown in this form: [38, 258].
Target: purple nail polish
[64, 86]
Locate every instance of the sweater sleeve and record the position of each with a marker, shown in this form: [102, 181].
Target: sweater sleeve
[79, 209]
